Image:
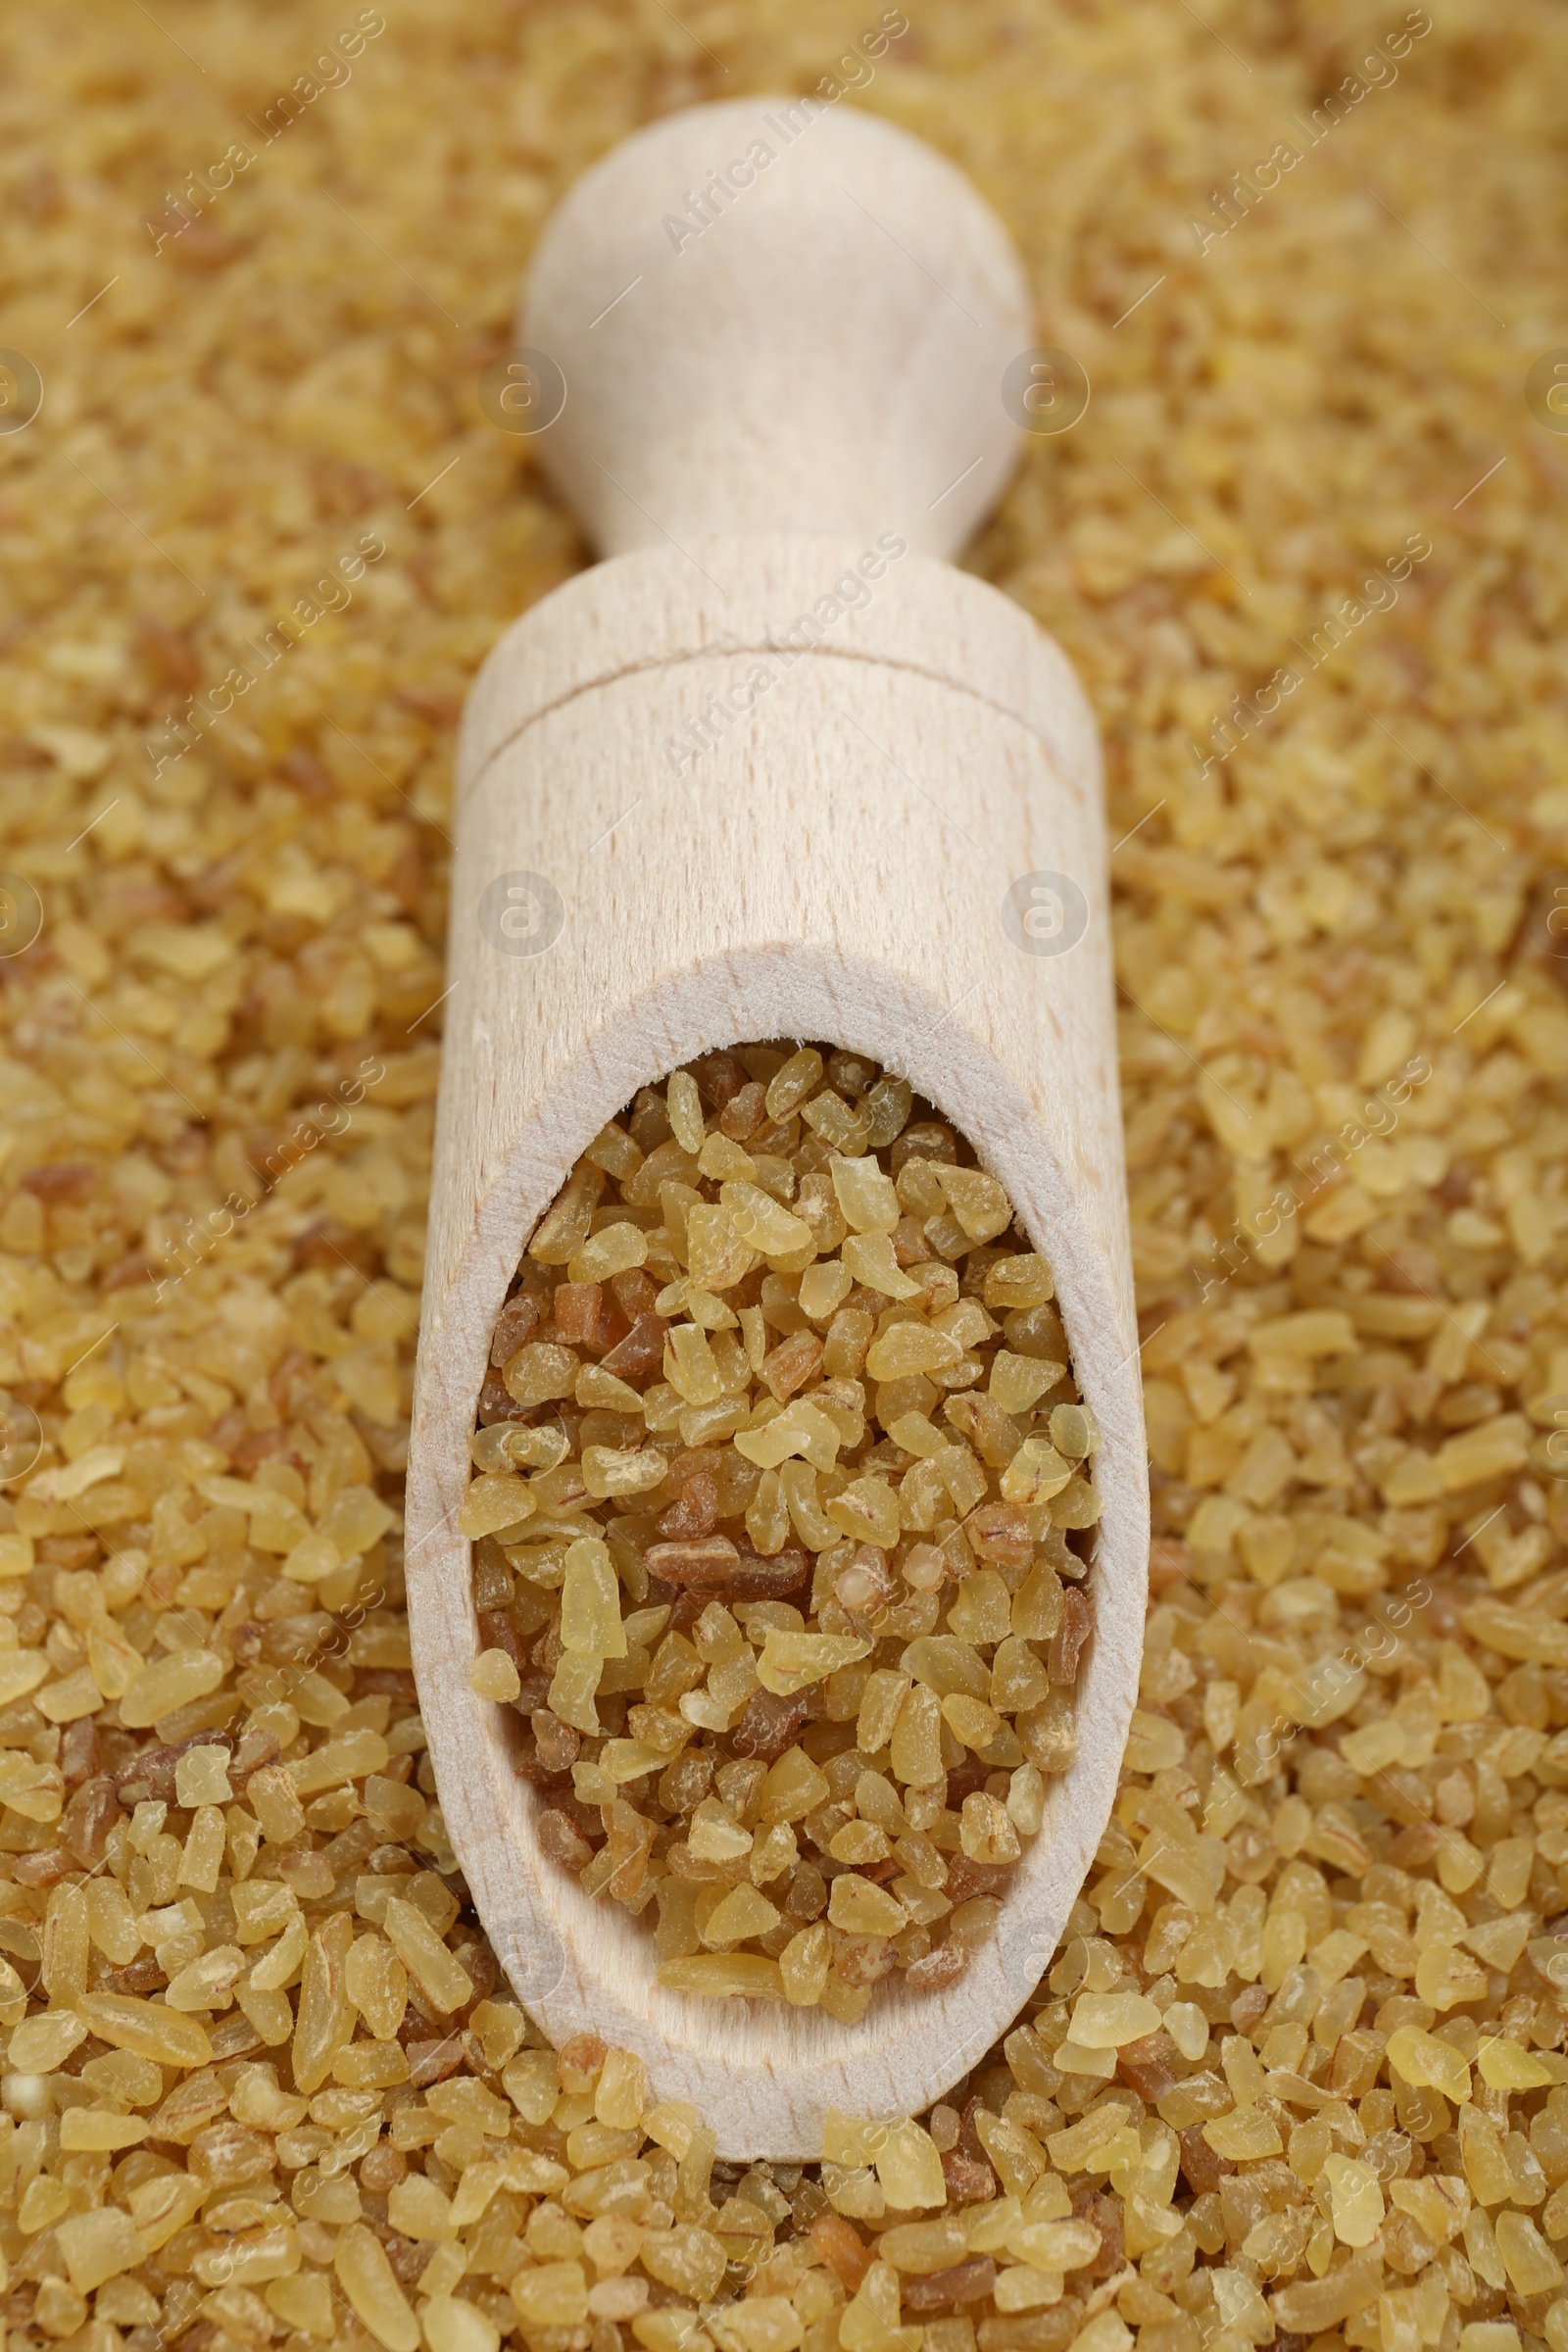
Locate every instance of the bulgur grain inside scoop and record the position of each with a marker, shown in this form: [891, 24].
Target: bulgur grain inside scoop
[780, 1507]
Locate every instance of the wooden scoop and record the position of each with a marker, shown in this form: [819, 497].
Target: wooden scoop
[775, 770]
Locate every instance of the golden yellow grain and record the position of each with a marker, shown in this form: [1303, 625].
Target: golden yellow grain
[781, 1476]
[1341, 1849]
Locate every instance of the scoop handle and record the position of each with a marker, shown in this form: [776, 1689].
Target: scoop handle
[775, 315]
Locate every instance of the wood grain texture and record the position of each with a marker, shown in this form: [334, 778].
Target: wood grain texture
[834, 866]
[779, 781]
[825, 354]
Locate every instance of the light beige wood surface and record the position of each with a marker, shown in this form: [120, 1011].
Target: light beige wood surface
[826, 355]
[834, 864]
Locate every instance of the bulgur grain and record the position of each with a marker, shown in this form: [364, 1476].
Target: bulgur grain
[797, 1482]
[1343, 1840]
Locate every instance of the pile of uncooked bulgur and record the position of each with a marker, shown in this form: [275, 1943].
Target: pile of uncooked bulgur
[262, 2084]
[742, 1358]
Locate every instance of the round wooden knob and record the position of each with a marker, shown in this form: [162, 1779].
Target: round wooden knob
[777, 315]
